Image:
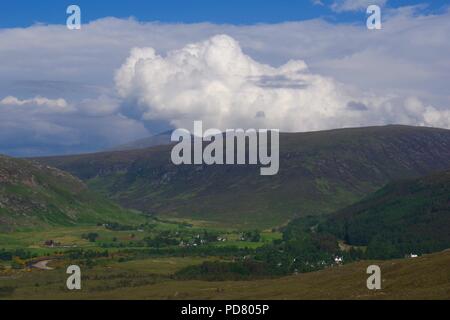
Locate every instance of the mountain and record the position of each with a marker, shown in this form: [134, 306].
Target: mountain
[408, 216]
[320, 172]
[33, 194]
[156, 140]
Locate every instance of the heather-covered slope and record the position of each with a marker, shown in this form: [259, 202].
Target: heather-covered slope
[320, 172]
[33, 194]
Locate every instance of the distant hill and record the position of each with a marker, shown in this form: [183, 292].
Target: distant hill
[33, 194]
[153, 141]
[409, 216]
[320, 172]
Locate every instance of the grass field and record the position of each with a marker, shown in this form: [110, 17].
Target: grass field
[70, 238]
[125, 258]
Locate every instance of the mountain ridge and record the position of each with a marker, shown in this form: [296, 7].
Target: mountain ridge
[320, 172]
[162, 138]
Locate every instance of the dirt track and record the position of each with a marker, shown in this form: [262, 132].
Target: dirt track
[43, 265]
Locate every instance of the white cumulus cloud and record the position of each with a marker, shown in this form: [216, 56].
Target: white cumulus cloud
[53, 105]
[215, 81]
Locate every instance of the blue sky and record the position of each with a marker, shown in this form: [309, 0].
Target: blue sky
[23, 13]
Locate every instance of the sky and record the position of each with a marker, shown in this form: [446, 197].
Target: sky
[23, 13]
[137, 68]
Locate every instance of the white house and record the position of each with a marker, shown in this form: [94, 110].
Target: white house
[338, 260]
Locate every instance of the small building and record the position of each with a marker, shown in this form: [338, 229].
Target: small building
[339, 260]
[49, 243]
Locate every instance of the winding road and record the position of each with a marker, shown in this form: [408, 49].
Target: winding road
[42, 265]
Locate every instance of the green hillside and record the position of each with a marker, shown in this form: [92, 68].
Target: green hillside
[33, 194]
[320, 172]
[409, 216]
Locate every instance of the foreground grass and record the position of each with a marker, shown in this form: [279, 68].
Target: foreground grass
[427, 277]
